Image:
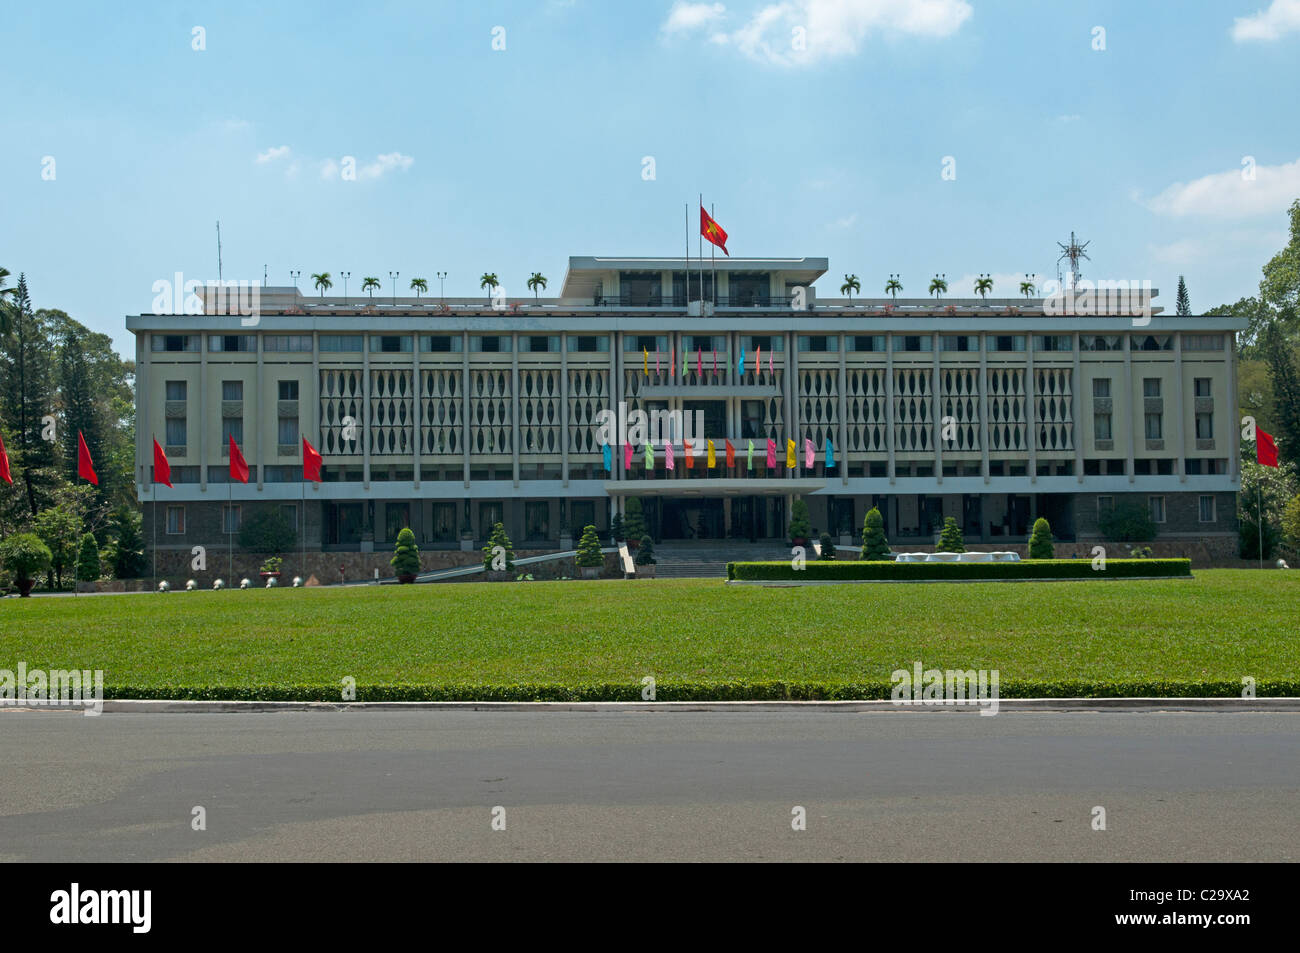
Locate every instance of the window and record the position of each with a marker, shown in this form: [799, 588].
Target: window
[1157, 505]
[176, 432]
[287, 432]
[866, 342]
[390, 343]
[289, 513]
[489, 344]
[440, 343]
[1007, 342]
[288, 390]
[279, 473]
[959, 342]
[1204, 426]
[175, 521]
[1053, 342]
[1101, 426]
[174, 342]
[818, 342]
[1100, 342]
[340, 342]
[1202, 342]
[176, 390]
[231, 517]
[913, 342]
[539, 343]
[1154, 424]
[1154, 342]
[1206, 508]
[537, 520]
[1100, 388]
[292, 343]
[232, 390]
[232, 427]
[232, 342]
[582, 513]
[589, 343]
[1201, 387]
[1150, 387]
[397, 517]
[645, 342]
[768, 342]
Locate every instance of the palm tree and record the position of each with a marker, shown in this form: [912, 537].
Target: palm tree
[983, 285]
[419, 286]
[893, 286]
[1027, 287]
[323, 283]
[538, 280]
[851, 284]
[489, 281]
[938, 286]
[369, 284]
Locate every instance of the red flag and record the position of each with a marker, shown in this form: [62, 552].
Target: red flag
[690, 455]
[731, 454]
[238, 468]
[4, 463]
[713, 232]
[85, 468]
[162, 470]
[311, 461]
[1265, 449]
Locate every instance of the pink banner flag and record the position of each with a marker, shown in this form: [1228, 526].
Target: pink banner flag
[769, 363]
[771, 454]
[627, 456]
[656, 360]
[672, 362]
[699, 363]
[758, 366]
[715, 360]
[668, 456]
[808, 453]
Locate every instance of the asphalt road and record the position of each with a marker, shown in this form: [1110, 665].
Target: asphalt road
[415, 786]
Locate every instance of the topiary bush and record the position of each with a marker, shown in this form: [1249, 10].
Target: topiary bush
[88, 559]
[267, 532]
[874, 544]
[498, 538]
[616, 529]
[1127, 523]
[406, 555]
[645, 553]
[828, 547]
[800, 525]
[1040, 543]
[589, 554]
[633, 519]
[950, 540]
[26, 556]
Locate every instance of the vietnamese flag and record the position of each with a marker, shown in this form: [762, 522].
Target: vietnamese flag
[1265, 449]
[731, 454]
[4, 463]
[713, 232]
[85, 467]
[162, 470]
[238, 468]
[311, 461]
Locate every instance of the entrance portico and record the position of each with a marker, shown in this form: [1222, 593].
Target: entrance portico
[714, 509]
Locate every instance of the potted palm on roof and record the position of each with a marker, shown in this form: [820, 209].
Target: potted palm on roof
[536, 281]
[851, 284]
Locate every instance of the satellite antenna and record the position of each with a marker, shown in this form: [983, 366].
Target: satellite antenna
[1074, 252]
[218, 249]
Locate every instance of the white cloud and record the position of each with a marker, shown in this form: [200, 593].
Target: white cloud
[1230, 195]
[275, 152]
[685, 17]
[1281, 17]
[847, 221]
[384, 164]
[804, 32]
[1068, 117]
[1220, 245]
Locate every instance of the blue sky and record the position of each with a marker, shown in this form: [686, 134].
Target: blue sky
[830, 141]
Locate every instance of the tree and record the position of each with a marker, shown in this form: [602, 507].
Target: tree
[488, 280]
[322, 282]
[1280, 286]
[538, 280]
[5, 295]
[851, 284]
[59, 527]
[645, 554]
[126, 553]
[80, 413]
[1027, 288]
[26, 557]
[406, 555]
[1264, 491]
[634, 518]
[892, 287]
[1040, 543]
[88, 559]
[370, 285]
[938, 286]
[1127, 522]
[589, 554]
[616, 528]
[1183, 302]
[828, 547]
[419, 286]
[1286, 392]
[27, 395]
[498, 539]
[800, 525]
[874, 544]
[267, 532]
[983, 285]
[950, 540]
[1291, 525]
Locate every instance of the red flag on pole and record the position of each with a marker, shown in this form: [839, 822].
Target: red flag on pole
[4, 463]
[162, 470]
[311, 462]
[713, 232]
[1265, 449]
[85, 467]
[731, 454]
[238, 468]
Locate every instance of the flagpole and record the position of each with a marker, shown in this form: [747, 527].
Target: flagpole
[700, 260]
[302, 525]
[714, 262]
[686, 207]
[230, 537]
[153, 516]
[1261, 522]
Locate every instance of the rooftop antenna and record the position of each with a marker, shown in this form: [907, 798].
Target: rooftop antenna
[1075, 252]
[218, 249]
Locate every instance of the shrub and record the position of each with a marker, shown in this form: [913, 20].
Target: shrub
[267, 532]
[60, 528]
[271, 564]
[25, 555]
[800, 525]
[903, 572]
[406, 555]
[1291, 523]
[616, 527]
[1127, 523]
[1040, 543]
[126, 548]
[874, 544]
[828, 547]
[950, 540]
[634, 518]
[88, 559]
[645, 553]
[589, 554]
[498, 538]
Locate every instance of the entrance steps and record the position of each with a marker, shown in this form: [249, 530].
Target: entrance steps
[700, 560]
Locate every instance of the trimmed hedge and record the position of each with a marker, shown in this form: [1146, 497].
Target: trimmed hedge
[697, 691]
[1023, 569]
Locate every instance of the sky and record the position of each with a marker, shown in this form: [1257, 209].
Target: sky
[890, 136]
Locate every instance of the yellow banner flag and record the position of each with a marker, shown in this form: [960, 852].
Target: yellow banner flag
[713, 460]
[645, 362]
[789, 455]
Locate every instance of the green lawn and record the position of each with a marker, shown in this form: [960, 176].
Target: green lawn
[698, 638]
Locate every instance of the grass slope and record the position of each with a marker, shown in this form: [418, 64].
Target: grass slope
[698, 638]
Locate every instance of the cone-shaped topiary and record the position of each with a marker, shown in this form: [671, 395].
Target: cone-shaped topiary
[874, 544]
[589, 554]
[406, 555]
[88, 559]
[498, 538]
[1040, 543]
[950, 540]
[633, 519]
[828, 546]
[645, 554]
[800, 525]
[616, 529]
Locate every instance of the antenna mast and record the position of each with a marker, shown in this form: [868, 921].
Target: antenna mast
[218, 249]
[1074, 252]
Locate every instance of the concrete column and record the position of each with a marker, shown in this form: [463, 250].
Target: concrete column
[792, 412]
[365, 412]
[984, 408]
[466, 403]
[889, 402]
[417, 428]
[144, 434]
[514, 408]
[1132, 414]
[564, 409]
[937, 409]
[842, 403]
[1234, 411]
[1031, 409]
[1076, 405]
[203, 415]
[1180, 420]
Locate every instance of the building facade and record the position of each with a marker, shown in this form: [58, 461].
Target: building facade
[448, 416]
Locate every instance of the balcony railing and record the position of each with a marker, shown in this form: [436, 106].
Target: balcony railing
[680, 301]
